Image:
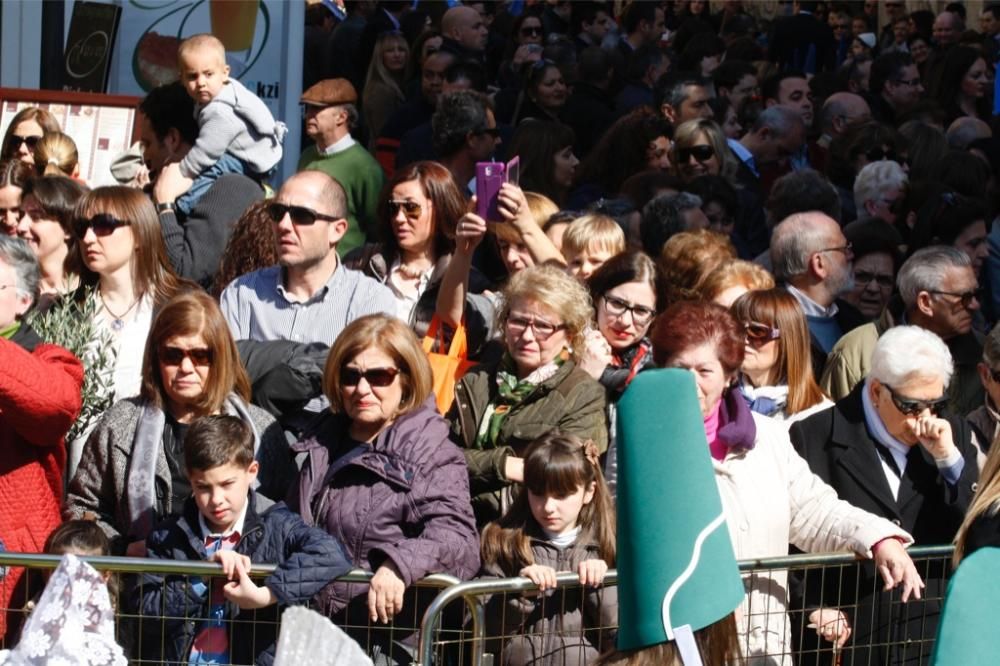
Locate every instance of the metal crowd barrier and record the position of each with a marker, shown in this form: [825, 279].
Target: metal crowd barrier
[491, 621]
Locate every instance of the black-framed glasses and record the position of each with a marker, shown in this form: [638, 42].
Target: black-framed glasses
[965, 297]
[846, 249]
[865, 278]
[103, 224]
[200, 356]
[617, 307]
[879, 154]
[300, 214]
[541, 329]
[376, 377]
[29, 141]
[913, 407]
[700, 153]
[531, 30]
[410, 209]
[758, 333]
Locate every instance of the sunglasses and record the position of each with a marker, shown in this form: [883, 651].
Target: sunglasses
[376, 377]
[410, 209]
[103, 225]
[911, 407]
[878, 154]
[175, 356]
[531, 30]
[965, 297]
[29, 141]
[758, 333]
[866, 278]
[700, 153]
[300, 214]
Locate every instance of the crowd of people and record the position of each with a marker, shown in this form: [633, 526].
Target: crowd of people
[799, 207]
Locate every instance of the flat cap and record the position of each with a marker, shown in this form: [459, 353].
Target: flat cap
[329, 92]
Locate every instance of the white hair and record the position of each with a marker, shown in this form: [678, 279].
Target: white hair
[904, 353]
[875, 179]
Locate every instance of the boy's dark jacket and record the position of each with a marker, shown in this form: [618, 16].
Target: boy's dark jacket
[307, 559]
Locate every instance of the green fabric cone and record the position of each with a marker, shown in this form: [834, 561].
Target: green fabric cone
[667, 501]
[967, 633]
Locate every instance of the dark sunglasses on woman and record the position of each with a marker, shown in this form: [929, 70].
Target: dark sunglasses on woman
[29, 141]
[700, 153]
[300, 214]
[758, 333]
[103, 225]
[376, 377]
[175, 356]
[411, 209]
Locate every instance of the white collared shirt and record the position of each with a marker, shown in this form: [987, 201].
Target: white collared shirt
[338, 146]
[810, 307]
[235, 527]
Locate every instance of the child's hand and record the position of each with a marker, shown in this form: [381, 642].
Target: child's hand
[230, 560]
[542, 576]
[385, 593]
[245, 593]
[592, 572]
[171, 183]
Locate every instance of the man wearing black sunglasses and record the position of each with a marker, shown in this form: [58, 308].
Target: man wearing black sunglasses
[310, 296]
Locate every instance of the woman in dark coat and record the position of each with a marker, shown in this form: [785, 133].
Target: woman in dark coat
[382, 477]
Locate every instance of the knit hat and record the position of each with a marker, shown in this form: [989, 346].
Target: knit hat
[330, 92]
[676, 569]
[967, 632]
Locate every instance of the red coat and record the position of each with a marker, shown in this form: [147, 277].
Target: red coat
[39, 400]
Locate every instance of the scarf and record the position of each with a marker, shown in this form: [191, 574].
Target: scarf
[765, 400]
[147, 448]
[736, 427]
[625, 365]
[512, 392]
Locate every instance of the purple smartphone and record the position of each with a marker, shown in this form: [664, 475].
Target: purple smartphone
[489, 178]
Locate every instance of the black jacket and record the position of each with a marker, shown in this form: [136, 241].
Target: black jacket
[307, 559]
[838, 448]
[590, 111]
[802, 42]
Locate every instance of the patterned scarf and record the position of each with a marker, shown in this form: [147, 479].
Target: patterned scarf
[512, 392]
[626, 365]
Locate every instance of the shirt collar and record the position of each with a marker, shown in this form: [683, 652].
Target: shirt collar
[810, 307]
[237, 527]
[338, 146]
[320, 293]
[745, 155]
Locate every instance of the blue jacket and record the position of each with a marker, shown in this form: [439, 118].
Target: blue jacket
[307, 559]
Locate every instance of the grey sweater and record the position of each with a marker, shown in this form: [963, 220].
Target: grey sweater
[237, 122]
[100, 485]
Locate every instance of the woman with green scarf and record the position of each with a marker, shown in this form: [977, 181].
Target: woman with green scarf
[534, 388]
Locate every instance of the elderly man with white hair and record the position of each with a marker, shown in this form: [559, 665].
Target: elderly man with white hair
[876, 189]
[891, 448]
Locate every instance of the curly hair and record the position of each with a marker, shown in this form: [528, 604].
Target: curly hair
[252, 245]
[624, 149]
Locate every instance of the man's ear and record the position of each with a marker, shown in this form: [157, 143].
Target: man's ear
[172, 139]
[337, 230]
[668, 112]
[768, 103]
[924, 303]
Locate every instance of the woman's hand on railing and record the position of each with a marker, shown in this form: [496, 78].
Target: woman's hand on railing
[830, 624]
[385, 593]
[592, 572]
[896, 568]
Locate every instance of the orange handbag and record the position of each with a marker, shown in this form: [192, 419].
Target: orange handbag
[447, 368]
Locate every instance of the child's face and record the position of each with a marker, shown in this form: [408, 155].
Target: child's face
[558, 515]
[582, 266]
[221, 492]
[203, 73]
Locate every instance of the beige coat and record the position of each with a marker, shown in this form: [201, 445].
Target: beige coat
[771, 499]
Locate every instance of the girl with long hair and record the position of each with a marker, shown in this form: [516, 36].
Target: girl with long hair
[56, 155]
[562, 520]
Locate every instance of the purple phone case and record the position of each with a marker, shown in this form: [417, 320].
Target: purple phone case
[489, 178]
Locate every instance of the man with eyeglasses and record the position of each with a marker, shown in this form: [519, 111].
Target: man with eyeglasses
[895, 86]
[309, 297]
[330, 113]
[938, 291]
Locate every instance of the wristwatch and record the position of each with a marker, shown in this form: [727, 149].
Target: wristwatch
[166, 206]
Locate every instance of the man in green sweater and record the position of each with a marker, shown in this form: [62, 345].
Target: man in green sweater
[330, 113]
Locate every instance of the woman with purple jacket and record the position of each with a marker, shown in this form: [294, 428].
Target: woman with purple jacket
[383, 477]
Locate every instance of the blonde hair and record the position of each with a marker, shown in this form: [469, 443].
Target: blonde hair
[201, 42]
[554, 289]
[541, 207]
[687, 259]
[56, 155]
[736, 273]
[593, 231]
[377, 72]
[986, 501]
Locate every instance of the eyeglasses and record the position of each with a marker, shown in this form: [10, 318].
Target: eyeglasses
[846, 249]
[300, 214]
[102, 224]
[617, 307]
[965, 297]
[376, 377]
[865, 278]
[411, 209]
[30, 141]
[531, 30]
[700, 153]
[541, 329]
[760, 334]
[878, 154]
[911, 407]
[200, 356]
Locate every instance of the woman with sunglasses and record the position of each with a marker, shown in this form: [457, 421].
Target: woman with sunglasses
[15, 174]
[46, 224]
[25, 131]
[536, 386]
[131, 474]
[889, 449]
[769, 498]
[125, 262]
[623, 291]
[382, 477]
[700, 149]
[776, 378]
[526, 47]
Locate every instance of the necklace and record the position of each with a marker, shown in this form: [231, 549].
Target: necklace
[118, 321]
[410, 273]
